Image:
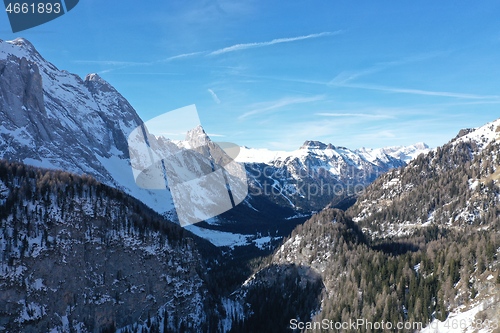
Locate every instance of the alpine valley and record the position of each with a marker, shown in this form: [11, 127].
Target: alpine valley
[327, 234]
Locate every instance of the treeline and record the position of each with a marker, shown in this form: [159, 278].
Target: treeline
[73, 194]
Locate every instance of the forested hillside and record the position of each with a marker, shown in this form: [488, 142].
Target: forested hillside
[454, 186]
[77, 255]
[412, 279]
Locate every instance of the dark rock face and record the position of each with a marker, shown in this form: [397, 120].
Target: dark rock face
[314, 145]
[463, 132]
[21, 92]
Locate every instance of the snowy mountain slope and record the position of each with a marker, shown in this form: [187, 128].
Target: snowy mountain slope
[51, 118]
[482, 316]
[255, 155]
[454, 189]
[481, 136]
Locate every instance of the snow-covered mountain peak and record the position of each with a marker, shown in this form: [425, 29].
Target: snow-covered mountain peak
[92, 77]
[403, 153]
[96, 83]
[95, 78]
[482, 136]
[316, 145]
[22, 48]
[20, 45]
[24, 43]
[421, 145]
[54, 119]
[197, 137]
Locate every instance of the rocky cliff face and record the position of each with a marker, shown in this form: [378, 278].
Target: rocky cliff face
[56, 111]
[51, 118]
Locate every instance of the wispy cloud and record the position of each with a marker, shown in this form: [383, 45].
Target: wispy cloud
[214, 96]
[269, 106]
[421, 92]
[239, 47]
[115, 64]
[354, 115]
[181, 56]
[125, 64]
[233, 48]
[286, 79]
[111, 62]
[344, 80]
[348, 76]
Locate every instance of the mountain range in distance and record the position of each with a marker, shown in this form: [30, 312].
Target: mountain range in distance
[54, 119]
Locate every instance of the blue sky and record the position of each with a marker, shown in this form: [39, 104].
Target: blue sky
[276, 73]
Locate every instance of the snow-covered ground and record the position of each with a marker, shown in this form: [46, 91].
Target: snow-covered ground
[467, 321]
[483, 135]
[220, 238]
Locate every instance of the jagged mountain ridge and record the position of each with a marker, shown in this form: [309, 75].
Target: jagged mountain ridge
[318, 174]
[42, 103]
[405, 153]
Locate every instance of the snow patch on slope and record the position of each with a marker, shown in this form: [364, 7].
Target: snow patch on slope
[464, 322]
[483, 135]
[220, 238]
